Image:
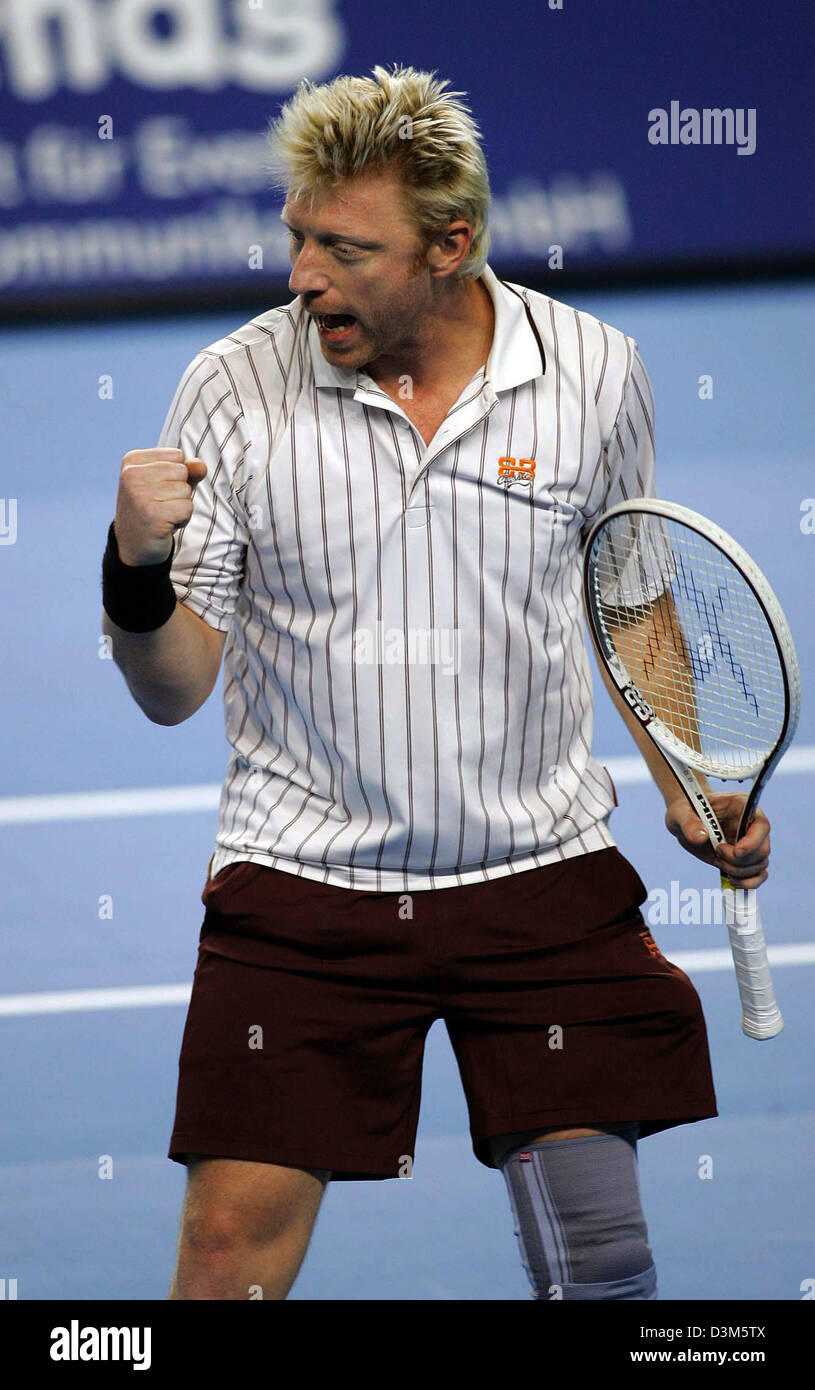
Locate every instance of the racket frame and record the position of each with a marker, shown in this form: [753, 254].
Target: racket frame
[761, 1017]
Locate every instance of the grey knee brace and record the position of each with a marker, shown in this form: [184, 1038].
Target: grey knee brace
[578, 1217]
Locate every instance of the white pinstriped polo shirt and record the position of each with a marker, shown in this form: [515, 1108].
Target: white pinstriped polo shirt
[406, 686]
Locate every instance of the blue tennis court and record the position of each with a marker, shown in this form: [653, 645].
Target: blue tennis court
[107, 823]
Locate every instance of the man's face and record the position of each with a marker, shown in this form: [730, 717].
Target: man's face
[354, 252]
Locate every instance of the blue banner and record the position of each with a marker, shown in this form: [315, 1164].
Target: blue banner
[631, 134]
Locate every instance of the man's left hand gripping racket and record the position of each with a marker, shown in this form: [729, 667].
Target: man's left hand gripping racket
[698, 646]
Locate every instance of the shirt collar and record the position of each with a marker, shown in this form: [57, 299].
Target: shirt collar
[517, 354]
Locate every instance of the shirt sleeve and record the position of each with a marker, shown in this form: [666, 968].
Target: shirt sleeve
[628, 452]
[205, 421]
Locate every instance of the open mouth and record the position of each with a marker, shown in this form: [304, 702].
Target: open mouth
[335, 328]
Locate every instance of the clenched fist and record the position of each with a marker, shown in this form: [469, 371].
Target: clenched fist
[155, 497]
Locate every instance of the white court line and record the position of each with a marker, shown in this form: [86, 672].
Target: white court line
[145, 996]
[136, 801]
[70, 1001]
[720, 958]
[634, 769]
[175, 801]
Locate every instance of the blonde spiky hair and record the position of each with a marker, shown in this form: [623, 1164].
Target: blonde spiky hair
[404, 119]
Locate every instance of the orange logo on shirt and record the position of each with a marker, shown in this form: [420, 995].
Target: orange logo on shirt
[650, 944]
[512, 470]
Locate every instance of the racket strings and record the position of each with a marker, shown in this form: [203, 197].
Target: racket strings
[692, 635]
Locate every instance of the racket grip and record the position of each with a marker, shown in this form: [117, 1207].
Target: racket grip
[760, 1014]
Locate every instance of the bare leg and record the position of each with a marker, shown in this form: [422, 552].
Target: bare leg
[245, 1228]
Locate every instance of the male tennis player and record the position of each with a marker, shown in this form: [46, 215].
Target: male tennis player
[374, 498]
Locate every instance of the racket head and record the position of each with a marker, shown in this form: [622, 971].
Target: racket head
[661, 579]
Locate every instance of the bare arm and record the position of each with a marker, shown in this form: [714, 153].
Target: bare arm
[669, 786]
[171, 671]
[652, 648]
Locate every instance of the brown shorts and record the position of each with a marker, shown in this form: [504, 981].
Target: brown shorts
[311, 1003]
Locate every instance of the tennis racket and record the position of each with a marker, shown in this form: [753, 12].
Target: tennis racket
[697, 644]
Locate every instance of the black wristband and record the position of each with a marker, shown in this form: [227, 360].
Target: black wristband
[137, 598]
